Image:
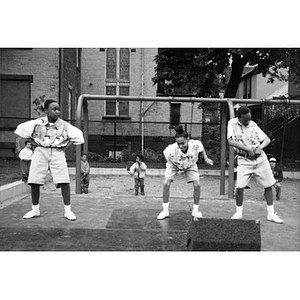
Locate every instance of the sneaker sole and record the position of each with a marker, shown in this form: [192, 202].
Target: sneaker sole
[197, 216]
[162, 218]
[32, 217]
[275, 221]
[70, 219]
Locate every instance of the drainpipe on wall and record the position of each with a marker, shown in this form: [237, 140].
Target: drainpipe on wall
[61, 80]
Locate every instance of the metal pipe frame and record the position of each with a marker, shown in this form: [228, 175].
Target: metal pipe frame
[227, 112]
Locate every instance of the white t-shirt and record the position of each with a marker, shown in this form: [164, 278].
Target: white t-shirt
[174, 155]
[25, 154]
[250, 135]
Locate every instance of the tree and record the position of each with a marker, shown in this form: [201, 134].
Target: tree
[207, 71]
[202, 70]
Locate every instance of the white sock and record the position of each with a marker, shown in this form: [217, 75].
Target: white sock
[67, 208]
[195, 207]
[239, 210]
[270, 209]
[166, 206]
[36, 208]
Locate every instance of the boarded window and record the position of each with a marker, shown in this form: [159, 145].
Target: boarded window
[14, 102]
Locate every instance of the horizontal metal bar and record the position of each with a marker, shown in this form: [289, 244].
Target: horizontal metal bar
[187, 99]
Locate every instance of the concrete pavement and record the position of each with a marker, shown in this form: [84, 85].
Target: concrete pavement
[108, 221]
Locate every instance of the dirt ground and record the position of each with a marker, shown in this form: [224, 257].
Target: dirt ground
[210, 187]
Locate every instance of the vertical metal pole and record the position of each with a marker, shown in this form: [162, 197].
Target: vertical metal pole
[142, 102]
[223, 147]
[115, 140]
[142, 127]
[85, 127]
[231, 156]
[78, 147]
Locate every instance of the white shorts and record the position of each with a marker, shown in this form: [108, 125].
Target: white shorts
[44, 159]
[259, 168]
[191, 174]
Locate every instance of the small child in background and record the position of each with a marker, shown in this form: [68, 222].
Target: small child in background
[85, 174]
[25, 160]
[138, 171]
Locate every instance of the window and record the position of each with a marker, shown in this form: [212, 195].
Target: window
[111, 64]
[124, 64]
[117, 108]
[247, 88]
[174, 114]
[117, 81]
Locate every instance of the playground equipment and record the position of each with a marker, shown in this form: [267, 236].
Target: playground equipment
[227, 112]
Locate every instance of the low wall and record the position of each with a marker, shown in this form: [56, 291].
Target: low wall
[12, 192]
[15, 191]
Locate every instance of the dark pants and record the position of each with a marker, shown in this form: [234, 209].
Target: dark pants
[139, 182]
[25, 166]
[85, 181]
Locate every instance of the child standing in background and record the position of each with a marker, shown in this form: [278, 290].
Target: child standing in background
[138, 171]
[85, 174]
[25, 160]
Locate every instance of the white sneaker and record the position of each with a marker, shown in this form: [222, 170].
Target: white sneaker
[275, 218]
[32, 214]
[237, 216]
[163, 214]
[197, 214]
[70, 216]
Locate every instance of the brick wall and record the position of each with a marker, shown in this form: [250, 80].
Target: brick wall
[43, 64]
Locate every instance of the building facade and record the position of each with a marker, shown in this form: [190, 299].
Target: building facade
[27, 74]
[115, 126]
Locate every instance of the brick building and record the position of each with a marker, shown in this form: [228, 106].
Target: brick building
[29, 73]
[116, 125]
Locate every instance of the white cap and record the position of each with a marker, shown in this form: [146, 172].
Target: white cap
[272, 159]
